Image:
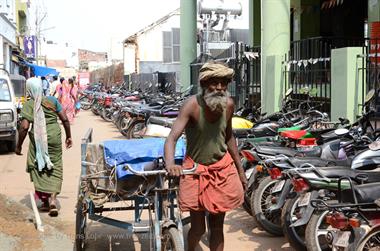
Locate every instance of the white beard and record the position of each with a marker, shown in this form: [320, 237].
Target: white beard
[216, 101]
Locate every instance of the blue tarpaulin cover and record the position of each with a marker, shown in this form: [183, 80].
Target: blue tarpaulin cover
[42, 70]
[137, 153]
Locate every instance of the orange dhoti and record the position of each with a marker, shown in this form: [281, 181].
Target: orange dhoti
[215, 188]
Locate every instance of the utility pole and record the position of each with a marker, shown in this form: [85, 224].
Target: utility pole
[38, 23]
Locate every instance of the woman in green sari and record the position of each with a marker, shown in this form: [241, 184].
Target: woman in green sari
[44, 160]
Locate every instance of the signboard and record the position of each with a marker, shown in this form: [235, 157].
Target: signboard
[83, 78]
[30, 46]
[374, 50]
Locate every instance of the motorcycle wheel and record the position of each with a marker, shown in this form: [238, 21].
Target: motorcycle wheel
[124, 126]
[370, 241]
[95, 110]
[106, 116]
[260, 202]
[294, 235]
[136, 130]
[316, 231]
[85, 106]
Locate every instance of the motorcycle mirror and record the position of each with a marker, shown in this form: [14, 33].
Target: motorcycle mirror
[374, 146]
[341, 131]
[289, 92]
[369, 96]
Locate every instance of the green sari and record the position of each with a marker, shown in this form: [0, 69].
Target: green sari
[48, 181]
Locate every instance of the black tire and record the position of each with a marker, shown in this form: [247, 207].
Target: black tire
[104, 115]
[11, 145]
[259, 203]
[80, 227]
[370, 241]
[172, 240]
[294, 235]
[83, 106]
[94, 110]
[246, 204]
[313, 242]
[137, 125]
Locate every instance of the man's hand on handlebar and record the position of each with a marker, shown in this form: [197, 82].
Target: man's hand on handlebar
[174, 170]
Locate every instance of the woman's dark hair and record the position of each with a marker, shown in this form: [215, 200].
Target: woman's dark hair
[61, 80]
[71, 81]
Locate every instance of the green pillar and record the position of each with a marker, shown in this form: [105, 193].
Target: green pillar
[254, 23]
[188, 39]
[346, 83]
[275, 43]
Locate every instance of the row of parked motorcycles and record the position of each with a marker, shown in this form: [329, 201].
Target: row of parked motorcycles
[314, 181]
[139, 113]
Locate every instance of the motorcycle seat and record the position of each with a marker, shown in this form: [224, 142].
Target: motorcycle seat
[241, 133]
[273, 150]
[293, 134]
[314, 152]
[315, 161]
[356, 175]
[164, 121]
[365, 193]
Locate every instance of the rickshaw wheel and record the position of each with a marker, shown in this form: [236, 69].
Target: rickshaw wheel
[80, 227]
[172, 240]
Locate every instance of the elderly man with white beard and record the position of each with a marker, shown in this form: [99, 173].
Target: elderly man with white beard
[219, 182]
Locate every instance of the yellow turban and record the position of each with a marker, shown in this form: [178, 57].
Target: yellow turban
[215, 70]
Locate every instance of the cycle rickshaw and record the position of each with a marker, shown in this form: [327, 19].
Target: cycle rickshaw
[130, 170]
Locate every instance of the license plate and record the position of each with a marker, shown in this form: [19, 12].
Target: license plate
[341, 239]
[278, 187]
[304, 200]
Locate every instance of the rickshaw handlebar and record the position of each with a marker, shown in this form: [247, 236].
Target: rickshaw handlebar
[164, 171]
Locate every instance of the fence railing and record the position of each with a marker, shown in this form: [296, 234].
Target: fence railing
[308, 65]
[245, 88]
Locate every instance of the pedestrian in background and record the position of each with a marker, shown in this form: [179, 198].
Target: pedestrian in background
[67, 97]
[44, 160]
[45, 86]
[53, 86]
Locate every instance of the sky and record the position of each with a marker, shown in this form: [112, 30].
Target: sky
[91, 24]
[96, 25]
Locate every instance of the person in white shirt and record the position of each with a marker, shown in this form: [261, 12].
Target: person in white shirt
[53, 86]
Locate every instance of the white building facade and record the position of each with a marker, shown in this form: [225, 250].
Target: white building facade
[7, 33]
[144, 51]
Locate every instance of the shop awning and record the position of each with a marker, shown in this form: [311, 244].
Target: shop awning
[42, 70]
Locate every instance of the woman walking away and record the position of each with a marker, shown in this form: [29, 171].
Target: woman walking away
[67, 98]
[44, 160]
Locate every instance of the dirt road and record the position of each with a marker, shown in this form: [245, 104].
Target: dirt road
[240, 232]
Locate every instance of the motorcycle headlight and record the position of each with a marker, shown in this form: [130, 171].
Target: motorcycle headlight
[6, 116]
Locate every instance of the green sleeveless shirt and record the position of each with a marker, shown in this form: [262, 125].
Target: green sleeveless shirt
[206, 141]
